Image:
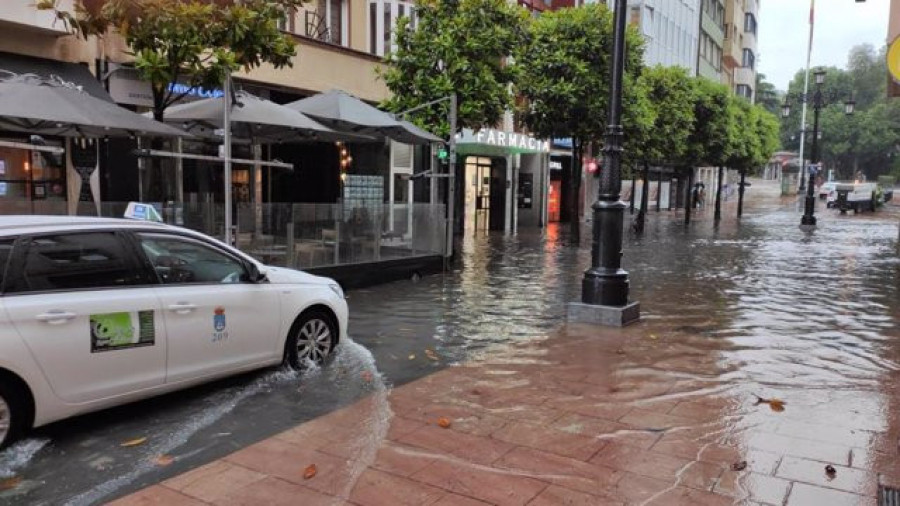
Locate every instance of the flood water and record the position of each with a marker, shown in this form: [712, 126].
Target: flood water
[771, 308]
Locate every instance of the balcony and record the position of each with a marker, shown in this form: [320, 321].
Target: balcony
[745, 75]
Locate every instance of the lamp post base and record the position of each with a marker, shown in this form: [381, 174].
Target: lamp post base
[610, 316]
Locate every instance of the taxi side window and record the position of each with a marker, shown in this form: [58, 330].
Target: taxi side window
[6, 246]
[180, 260]
[75, 261]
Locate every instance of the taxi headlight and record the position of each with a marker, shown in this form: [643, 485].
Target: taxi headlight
[336, 288]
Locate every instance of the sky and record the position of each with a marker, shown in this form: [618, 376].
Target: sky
[839, 25]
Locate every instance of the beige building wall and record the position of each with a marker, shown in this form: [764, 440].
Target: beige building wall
[318, 66]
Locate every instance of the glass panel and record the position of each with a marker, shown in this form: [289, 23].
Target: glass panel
[373, 27]
[6, 246]
[180, 260]
[77, 261]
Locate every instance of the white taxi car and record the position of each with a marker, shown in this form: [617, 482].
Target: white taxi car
[96, 312]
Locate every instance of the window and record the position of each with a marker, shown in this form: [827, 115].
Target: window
[750, 23]
[179, 260]
[77, 261]
[6, 246]
[383, 16]
[743, 90]
[749, 59]
[327, 22]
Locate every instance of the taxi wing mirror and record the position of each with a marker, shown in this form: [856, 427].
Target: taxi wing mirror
[254, 275]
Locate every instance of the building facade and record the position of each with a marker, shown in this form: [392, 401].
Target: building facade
[739, 61]
[671, 29]
[712, 39]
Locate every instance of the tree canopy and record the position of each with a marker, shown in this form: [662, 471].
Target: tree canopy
[869, 140]
[195, 42]
[564, 73]
[457, 46]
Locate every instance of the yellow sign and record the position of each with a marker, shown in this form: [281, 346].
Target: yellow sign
[893, 59]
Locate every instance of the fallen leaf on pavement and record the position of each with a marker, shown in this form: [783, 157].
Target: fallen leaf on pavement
[163, 460]
[620, 351]
[431, 354]
[10, 483]
[134, 442]
[653, 336]
[412, 356]
[739, 466]
[444, 423]
[830, 471]
[310, 471]
[776, 405]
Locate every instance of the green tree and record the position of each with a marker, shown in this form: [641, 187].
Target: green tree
[766, 95]
[715, 127]
[457, 46]
[564, 79]
[868, 74]
[196, 42]
[838, 84]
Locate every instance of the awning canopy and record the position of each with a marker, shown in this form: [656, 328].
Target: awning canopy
[255, 118]
[34, 105]
[75, 73]
[342, 111]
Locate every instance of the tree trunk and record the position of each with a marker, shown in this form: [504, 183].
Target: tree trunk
[640, 220]
[577, 170]
[658, 190]
[689, 200]
[718, 215]
[633, 186]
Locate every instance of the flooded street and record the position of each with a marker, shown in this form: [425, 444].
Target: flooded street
[755, 308]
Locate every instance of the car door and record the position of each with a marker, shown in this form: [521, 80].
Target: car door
[88, 313]
[216, 319]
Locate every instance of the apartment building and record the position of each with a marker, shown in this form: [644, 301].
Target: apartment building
[671, 29]
[712, 39]
[739, 61]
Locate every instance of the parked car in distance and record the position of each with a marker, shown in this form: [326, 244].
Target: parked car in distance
[98, 312]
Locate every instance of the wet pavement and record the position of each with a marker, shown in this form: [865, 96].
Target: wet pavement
[659, 411]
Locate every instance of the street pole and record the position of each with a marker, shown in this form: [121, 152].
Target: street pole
[809, 209]
[741, 194]
[604, 295]
[451, 177]
[226, 123]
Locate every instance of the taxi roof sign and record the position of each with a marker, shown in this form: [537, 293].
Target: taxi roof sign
[142, 212]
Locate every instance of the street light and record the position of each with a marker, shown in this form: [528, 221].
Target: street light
[604, 288]
[819, 101]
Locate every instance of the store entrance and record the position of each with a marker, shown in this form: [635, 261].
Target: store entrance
[485, 194]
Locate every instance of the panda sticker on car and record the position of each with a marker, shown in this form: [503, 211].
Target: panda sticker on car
[116, 331]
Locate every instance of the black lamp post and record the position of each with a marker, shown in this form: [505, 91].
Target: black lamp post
[818, 101]
[604, 288]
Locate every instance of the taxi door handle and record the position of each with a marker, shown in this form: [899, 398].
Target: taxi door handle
[55, 317]
[182, 307]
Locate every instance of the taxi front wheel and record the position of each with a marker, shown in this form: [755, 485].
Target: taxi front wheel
[12, 413]
[312, 339]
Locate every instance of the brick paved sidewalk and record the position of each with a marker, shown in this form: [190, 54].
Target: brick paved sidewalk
[588, 417]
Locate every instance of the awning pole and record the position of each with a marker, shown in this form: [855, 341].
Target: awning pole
[227, 152]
